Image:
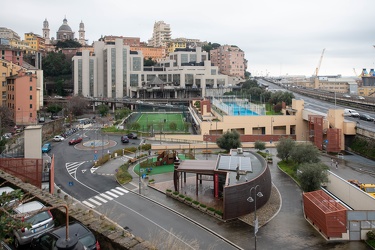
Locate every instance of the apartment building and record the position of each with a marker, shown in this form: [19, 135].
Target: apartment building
[7, 68]
[114, 70]
[183, 43]
[11, 54]
[161, 34]
[22, 97]
[230, 60]
[36, 42]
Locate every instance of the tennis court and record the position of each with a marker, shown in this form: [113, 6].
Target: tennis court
[161, 122]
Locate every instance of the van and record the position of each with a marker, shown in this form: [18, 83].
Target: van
[351, 113]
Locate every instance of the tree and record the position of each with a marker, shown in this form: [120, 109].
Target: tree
[284, 148]
[229, 140]
[312, 175]
[6, 119]
[68, 44]
[7, 222]
[122, 113]
[77, 105]
[173, 126]
[149, 62]
[305, 153]
[277, 108]
[186, 126]
[103, 109]
[135, 126]
[56, 64]
[54, 109]
[260, 145]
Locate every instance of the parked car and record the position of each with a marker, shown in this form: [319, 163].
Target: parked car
[40, 222]
[346, 96]
[124, 139]
[42, 119]
[46, 147]
[58, 138]
[360, 97]
[132, 136]
[75, 140]
[48, 240]
[366, 117]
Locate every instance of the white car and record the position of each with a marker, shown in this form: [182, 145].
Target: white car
[58, 138]
[360, 97]
[347, 96]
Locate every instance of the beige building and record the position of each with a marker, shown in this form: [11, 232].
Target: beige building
[6, 69]
[230, 60]
[161, 35]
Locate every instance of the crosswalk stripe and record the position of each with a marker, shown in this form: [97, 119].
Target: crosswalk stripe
[111, 194]
[94, 201]
[100, 198]
[123, 190]
[88, 204]
[117, 192]
[107, 197]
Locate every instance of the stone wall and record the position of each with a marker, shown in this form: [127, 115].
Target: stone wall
[108, 233]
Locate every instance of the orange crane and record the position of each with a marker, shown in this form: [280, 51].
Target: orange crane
[316, 82]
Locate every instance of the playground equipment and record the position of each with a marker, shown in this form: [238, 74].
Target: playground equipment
[166, 157]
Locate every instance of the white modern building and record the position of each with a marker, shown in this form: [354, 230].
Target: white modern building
[114, 71]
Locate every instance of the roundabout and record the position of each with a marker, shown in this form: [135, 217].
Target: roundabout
[96, 145]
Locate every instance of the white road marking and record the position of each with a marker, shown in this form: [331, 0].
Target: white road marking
[111, 194]
[94, 201]
[123, 190]
[88, 204]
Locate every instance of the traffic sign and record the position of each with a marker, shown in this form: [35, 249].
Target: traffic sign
[70, 183]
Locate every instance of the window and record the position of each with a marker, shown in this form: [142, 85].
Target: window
[31, 114]
[31, 79]
[31, 97]
[31, 87]
[31, 106]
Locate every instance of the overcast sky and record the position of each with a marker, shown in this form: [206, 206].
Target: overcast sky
[278, 37]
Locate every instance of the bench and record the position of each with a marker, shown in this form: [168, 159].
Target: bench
[206, 151]
[133, 160]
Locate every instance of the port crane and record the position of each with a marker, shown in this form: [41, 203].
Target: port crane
[316, 83]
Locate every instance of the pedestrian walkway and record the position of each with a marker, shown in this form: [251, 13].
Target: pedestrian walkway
[105, 197]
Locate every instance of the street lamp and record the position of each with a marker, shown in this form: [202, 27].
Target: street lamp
[251, 199]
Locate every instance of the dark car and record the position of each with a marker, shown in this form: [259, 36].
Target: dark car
[75, 140]
[132, 136]
[366, 117]
[48, 240]
[124, 139]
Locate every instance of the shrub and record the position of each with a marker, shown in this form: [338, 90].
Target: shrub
[211, 209]
[371, 235]
[123, 175]
[175, 193]
[188, 199]
[168, 190]
[152, 180]
[102, 160]
[195, 202]
[181, 196]
[203, 205]
[218, 212]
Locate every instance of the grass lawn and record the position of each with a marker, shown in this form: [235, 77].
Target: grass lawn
[159, 169]
[160, 121]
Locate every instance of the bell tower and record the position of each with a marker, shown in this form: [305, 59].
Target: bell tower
[81, 34]
[46, 32]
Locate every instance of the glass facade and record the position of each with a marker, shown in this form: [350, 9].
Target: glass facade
[176, 79]
[137, 64]
[79, 76]
[124, 70]
[189, 79]
[91, 76]
[113, 72]
[133, 80]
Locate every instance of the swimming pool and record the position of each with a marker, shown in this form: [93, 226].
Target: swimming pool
[237, 110]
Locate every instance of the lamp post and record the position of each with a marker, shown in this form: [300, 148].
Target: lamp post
[251, 199]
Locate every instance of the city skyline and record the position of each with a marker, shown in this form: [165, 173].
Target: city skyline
[278, 37]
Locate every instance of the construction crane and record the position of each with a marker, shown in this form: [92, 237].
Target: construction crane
[316, 80]
[355, 72]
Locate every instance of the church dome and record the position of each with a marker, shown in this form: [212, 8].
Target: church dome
[65, 26]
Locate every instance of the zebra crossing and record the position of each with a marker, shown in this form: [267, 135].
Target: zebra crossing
[102, 198]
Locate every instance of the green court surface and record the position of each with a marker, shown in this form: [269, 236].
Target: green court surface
[161, 121]
[151, 170]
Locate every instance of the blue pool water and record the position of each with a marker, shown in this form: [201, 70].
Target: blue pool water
[235, 109]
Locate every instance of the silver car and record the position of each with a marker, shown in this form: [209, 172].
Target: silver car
[40, 222]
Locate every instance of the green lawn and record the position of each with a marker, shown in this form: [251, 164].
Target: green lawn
[158, 169]
[161, 121]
